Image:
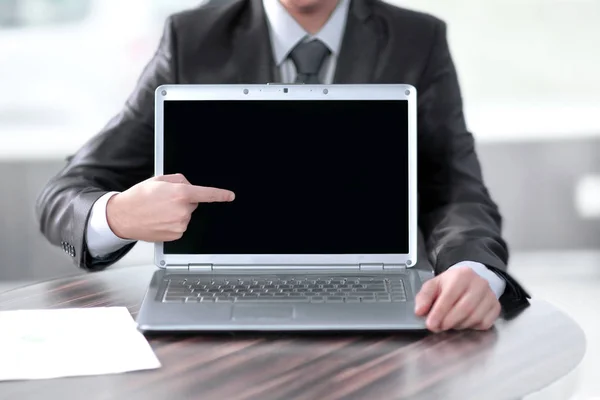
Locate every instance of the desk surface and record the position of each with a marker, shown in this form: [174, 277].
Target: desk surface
[517, 358]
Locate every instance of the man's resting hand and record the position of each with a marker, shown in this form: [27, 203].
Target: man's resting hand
[457, 299]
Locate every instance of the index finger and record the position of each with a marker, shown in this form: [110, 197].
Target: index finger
[426, 296]
[204, 194]
[450, 294]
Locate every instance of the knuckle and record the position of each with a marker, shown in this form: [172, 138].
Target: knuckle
[468, 324]
[490, 320]
[436, 315]
[181, 225]
[218, 195]
[175, 235]
[430, 325]
[176, 216]
[446, 324]
[181, 228]
[182, 216]
[497, 309]
[180, 194]
[487, 325]
[227, 196]
[427, 286]
[147, 188]
[169, 237]
[465, 272]
[481, 284]
[181, 190]
[469, 305]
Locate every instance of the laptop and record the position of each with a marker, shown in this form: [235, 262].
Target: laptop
[322, 234]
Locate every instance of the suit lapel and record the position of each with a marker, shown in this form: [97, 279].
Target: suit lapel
[252, 51]
[360, 51]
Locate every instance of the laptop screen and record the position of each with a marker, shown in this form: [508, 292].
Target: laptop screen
[310, 177]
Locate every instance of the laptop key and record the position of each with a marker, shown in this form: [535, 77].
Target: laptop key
[174, 299]
[368, 298]
[334, 299]
[178, 289]
[383, 297]
[224, 299]
[208, 299]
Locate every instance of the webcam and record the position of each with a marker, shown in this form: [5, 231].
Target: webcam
[285, 90]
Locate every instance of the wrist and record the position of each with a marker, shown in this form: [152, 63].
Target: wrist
[114, 217]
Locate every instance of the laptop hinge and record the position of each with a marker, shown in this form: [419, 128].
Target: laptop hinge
[370, 267]
[200, 267]
[178, 267]
[380, 267]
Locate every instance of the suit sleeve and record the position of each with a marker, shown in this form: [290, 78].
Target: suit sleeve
[458, 218]
[120, 156]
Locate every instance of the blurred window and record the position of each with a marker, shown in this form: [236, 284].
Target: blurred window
[30, 13]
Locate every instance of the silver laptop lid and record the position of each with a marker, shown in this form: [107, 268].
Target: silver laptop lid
[324, 175]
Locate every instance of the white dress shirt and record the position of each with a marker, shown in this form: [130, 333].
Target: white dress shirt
[285, 34]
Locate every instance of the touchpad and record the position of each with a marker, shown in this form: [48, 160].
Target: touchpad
[262, 312]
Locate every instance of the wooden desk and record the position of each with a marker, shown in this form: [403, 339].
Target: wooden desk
[516, 358]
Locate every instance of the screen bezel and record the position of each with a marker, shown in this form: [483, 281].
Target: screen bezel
[294, 92]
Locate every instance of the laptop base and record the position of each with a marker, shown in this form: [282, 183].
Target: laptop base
[325, 313]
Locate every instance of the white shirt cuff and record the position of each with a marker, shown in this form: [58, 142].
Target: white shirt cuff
[497, 284]
[100, 239]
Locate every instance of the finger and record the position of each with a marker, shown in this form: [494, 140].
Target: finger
[469, 303]
[203, 194]
[490, 317]
[479, 315]
[173, 178]
[450, 293]
[426, 296]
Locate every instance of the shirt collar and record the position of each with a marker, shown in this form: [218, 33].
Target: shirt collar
[286, 33]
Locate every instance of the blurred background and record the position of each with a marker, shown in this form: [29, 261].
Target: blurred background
[529, 71]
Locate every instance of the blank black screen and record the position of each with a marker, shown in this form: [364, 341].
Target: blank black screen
[310, 177]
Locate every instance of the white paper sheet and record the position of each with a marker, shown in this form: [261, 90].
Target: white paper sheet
[42, 344]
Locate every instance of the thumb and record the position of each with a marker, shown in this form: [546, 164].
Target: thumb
[427, 296]
[173, 178]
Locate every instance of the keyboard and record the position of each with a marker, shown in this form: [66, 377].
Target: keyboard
[297, 289]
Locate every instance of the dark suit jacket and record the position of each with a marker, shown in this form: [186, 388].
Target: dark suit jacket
[228, 43]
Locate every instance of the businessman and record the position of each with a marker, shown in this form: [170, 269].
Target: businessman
[105, 198]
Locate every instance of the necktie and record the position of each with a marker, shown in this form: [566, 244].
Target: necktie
[308, 57]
